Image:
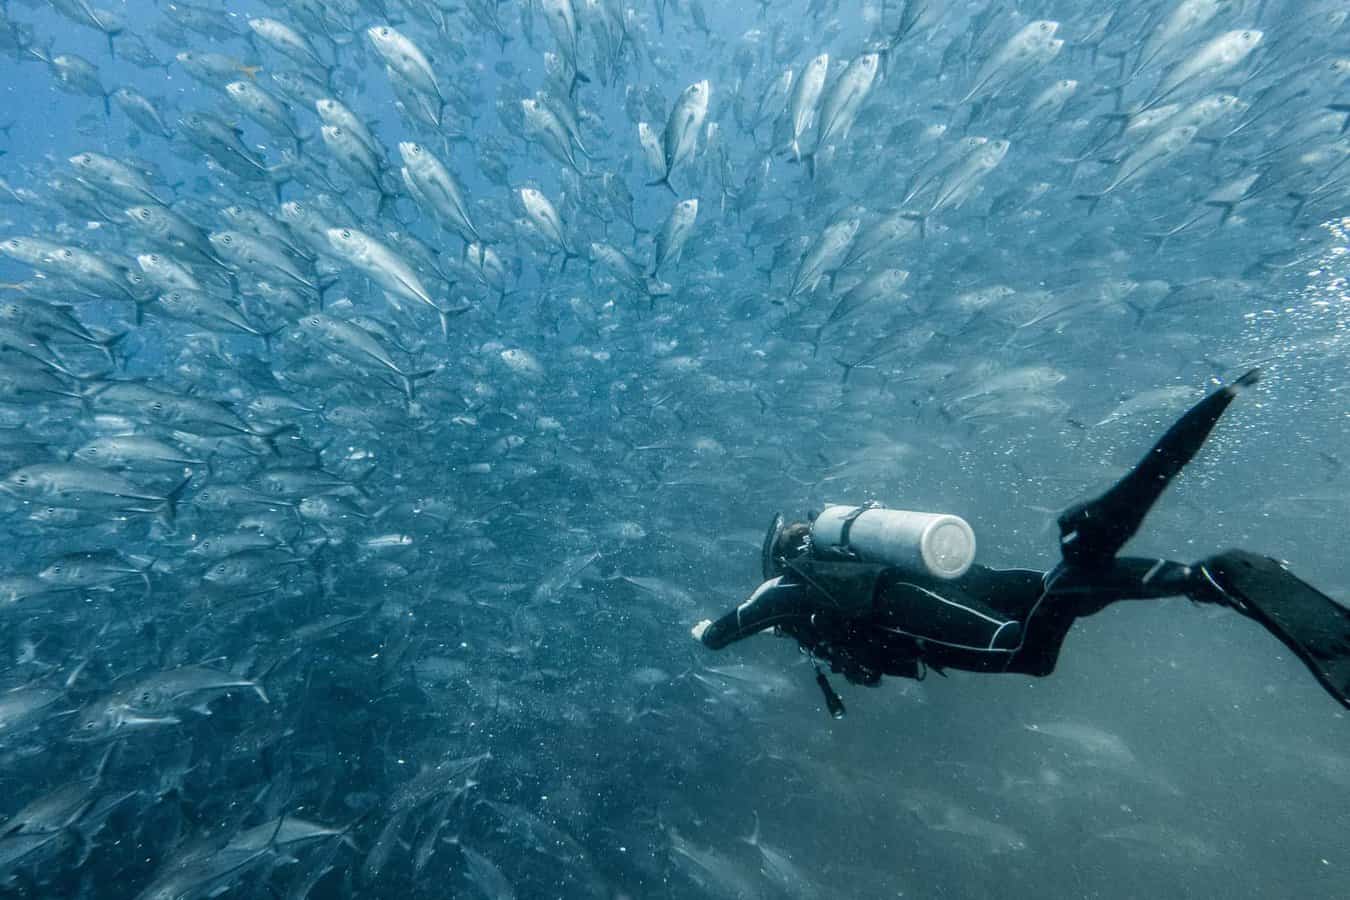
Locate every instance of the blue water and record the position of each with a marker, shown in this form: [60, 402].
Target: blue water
[451, 635]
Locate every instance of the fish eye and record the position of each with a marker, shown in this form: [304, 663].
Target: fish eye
[227, 240]
[346, 233]
[21, 479]
[145, 214]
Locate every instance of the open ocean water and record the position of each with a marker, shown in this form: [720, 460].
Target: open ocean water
[387, 387]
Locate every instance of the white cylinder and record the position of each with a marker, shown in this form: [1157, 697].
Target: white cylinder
[935, 544]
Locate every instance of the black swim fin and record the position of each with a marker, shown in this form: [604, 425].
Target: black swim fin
[1092, 533]
[1311, 624]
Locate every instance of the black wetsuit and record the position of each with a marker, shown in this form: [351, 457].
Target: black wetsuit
[867, 620]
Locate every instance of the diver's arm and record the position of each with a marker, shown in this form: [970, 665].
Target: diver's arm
[775, 602]
[811, 591]
[1091, 533]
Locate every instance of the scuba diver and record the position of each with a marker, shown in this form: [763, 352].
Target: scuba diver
[873, 591]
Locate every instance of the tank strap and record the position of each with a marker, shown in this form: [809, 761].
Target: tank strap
[846, 526]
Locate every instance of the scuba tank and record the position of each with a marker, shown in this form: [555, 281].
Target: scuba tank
[933, 544]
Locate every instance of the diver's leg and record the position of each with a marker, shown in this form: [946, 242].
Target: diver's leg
[1082, 592]
[1311, 624]
[1091, 533]
[1070, 593]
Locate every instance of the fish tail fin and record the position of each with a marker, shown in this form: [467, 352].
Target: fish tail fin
[410, 380]
[922, 219]
[664, 179]
[267, 338]
[89, 389]
[324, 284]
[251, 72]
[1117, 91]
[107, 105]
[1342, 108]
[168, 512]
[848, 369]
[815, 341]
[106, 344]
[1215, 145]
[753, 839]
[270, 436]
[281, 175]
[810, 160]
[1224, 216]
[1092, 201]
[1120, 121]
[42, 53]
